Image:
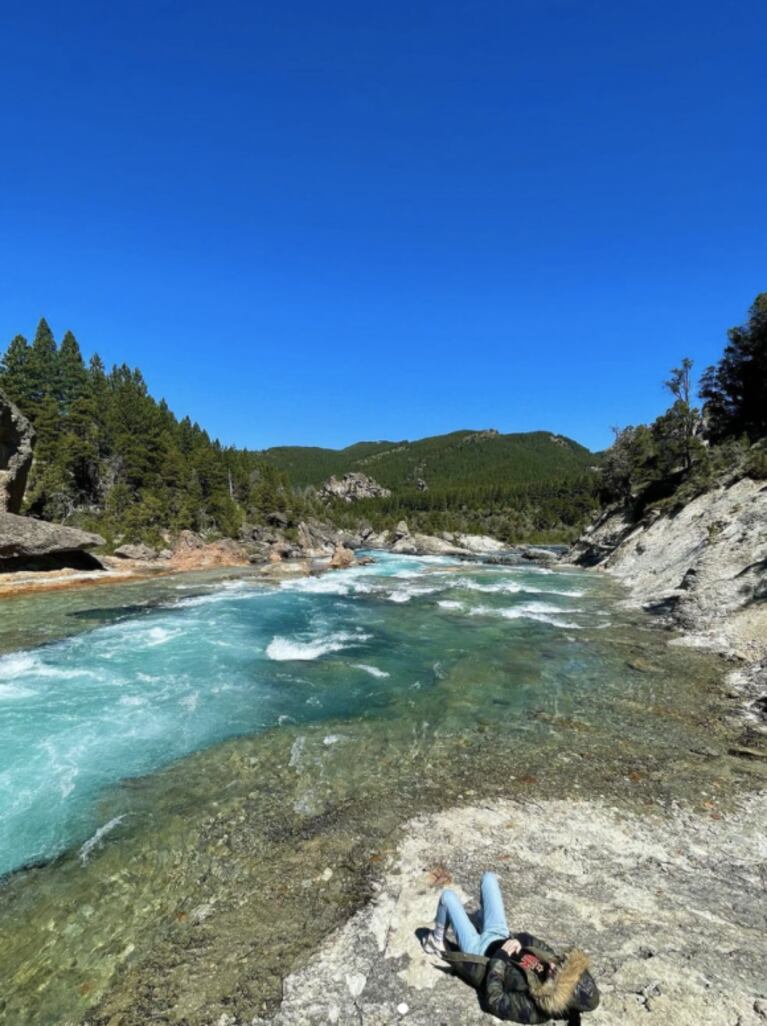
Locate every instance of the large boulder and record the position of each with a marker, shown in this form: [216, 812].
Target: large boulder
[535, 554]
[188, 541]
[352, 487]
[17, 437]
[430, 545]
[342, 558]
[316, 538]
[382, 540]
[404, 543]
[481, 544]
[401, 531]
[279, 551]
[29, 544]
[140, 551]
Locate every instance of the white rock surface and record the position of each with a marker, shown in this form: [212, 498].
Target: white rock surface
[670, 907]
[481, 544]
[706, 566]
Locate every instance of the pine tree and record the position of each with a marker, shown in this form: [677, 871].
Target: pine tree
[47, 482]
[72, 376]
[15, 379]
[43, 366]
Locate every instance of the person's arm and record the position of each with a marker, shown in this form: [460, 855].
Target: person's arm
[527, 940]
[514, 1005]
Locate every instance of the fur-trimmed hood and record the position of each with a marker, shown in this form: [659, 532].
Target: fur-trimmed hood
[556, 994]
[570, 989]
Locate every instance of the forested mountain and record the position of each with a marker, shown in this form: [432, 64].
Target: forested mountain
[112, 458]
[461, 459]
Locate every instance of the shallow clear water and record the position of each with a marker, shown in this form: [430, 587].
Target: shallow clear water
[212, 744]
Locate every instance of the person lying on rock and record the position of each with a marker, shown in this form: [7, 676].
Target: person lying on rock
[518, 976]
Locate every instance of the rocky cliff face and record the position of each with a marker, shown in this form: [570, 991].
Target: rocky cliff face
[704, 568]
[26, 543]
[16, 440]
[352, 487]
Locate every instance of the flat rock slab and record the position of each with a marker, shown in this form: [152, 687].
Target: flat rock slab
[24, 538]
[670, 905]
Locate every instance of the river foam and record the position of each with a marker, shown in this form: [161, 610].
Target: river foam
[287, 649]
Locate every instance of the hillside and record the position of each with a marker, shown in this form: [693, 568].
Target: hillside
[467, 459]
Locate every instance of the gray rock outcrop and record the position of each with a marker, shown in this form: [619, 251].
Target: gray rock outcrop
[352, 487]
[29, 544]
[140, 552]
[403, 542]
[431, 545]
[16, 441]
[535, 554]
[317, 539]
[705, 567]
[620, 885]
[480, 544]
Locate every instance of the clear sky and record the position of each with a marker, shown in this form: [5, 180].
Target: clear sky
[316, 222]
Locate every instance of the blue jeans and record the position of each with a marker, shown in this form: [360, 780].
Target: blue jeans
[494, 926]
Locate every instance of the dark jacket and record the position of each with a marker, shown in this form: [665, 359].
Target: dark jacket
[512, 993]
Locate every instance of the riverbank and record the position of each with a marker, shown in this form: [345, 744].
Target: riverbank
[269, 553]
[117, 572]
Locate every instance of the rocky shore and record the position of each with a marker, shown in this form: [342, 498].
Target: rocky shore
[670, 908]
[701, 569]
[36, 556]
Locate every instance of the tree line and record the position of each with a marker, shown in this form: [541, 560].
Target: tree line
[687, 449]
[110, 457]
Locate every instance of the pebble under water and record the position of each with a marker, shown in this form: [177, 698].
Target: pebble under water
[174, 777]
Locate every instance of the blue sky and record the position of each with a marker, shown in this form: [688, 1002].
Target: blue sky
[320, 222]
